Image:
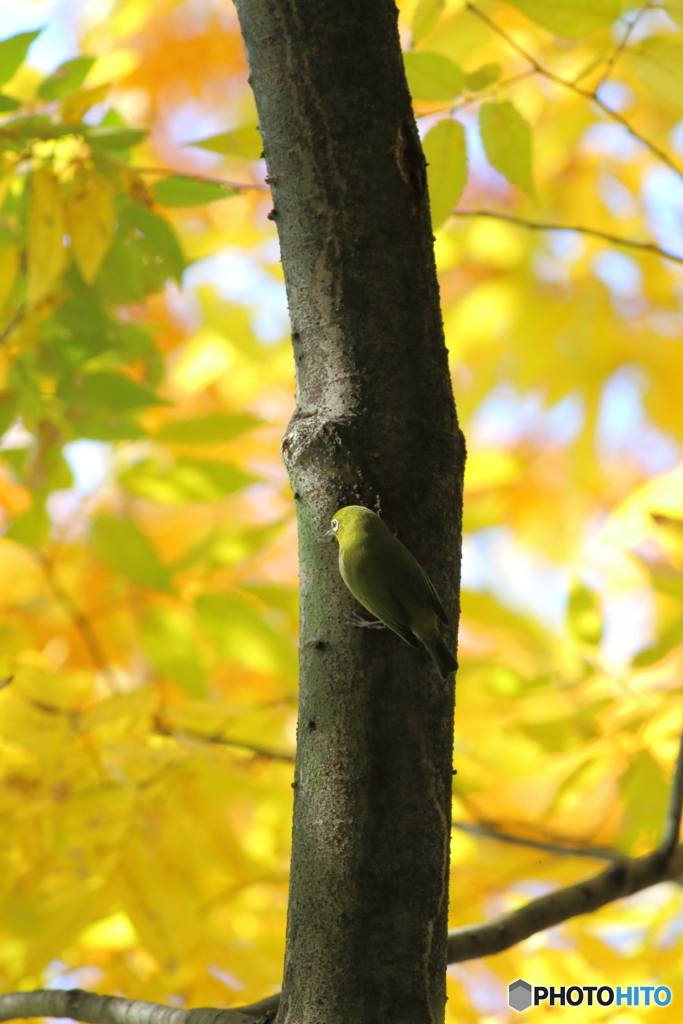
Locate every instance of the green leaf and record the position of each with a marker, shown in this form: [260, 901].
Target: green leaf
[186, 480]
[125, 549]
[109, 391]
[32, 529]
[507, 141]
[659, 64]
[431, 76]
[13, 51]
[106, 137]
[182, 190]
[16, 133]
[571, 18]
[445, 149]
[144, 255]
[206, 429]
[426, 15]
[100, 425]
[584, 614]
[8, 103]
[645, 790]
[67, 78]
[170, 644]
[484, 76]
[9, 409]
[245, 142]
[668, 640]
[243, 635]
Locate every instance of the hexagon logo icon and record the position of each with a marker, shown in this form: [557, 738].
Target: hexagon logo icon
[519, 995]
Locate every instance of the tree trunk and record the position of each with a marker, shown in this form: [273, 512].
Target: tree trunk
[375, 424]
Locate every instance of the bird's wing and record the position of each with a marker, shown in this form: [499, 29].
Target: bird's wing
[380, 600]
[421, 584]
[435, 600]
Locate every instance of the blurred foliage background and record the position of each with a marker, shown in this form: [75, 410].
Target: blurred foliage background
[148, 574]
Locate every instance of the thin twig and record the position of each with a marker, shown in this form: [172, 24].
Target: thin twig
[617, 52]
[532, 225]
[562, 850]
[237, 185]
[225, 741]
[15, 319]
[467, 101]
[551, 76]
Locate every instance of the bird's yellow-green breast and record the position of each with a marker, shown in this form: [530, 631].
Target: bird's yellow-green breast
[382, 574]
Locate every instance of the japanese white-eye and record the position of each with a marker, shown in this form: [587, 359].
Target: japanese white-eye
[382, 574]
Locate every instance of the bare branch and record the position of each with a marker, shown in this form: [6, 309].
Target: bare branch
[622, 878]
[626, 243]
[86, 1006]
[616, 54]
[470, 98]
[226, 741]
[561, 849]
[551, 76]
[238, 186]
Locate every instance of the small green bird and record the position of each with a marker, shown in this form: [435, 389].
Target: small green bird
[382, 574]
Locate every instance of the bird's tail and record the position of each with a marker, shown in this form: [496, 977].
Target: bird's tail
[440, 654]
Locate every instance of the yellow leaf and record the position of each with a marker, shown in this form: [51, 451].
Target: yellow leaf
[659, 63]
[47, 257]
[9, 268]
[445, 150]
[76, 104]
[90, 219]
[584, 615]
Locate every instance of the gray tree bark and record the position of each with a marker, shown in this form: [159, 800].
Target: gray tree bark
[375, 424]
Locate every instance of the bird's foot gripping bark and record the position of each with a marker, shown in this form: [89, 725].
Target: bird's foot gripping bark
[361, 623]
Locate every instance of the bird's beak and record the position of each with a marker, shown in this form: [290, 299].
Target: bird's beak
[328, 533]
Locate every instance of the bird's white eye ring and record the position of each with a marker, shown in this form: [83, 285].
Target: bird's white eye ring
[335, 525]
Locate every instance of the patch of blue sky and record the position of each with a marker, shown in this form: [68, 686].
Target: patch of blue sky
[628, 626]
[615, 95]
[242, 279]
[59, 20]
[628, 937]
[507, 416]
[662, 192]
[619, 272]
[90, 463]
[623, 429]
[568, 245]
[606, 138]
[191, 121]
[486, 990]
[618, 199]
[653, 22]
[60, 975]
[519, 579]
